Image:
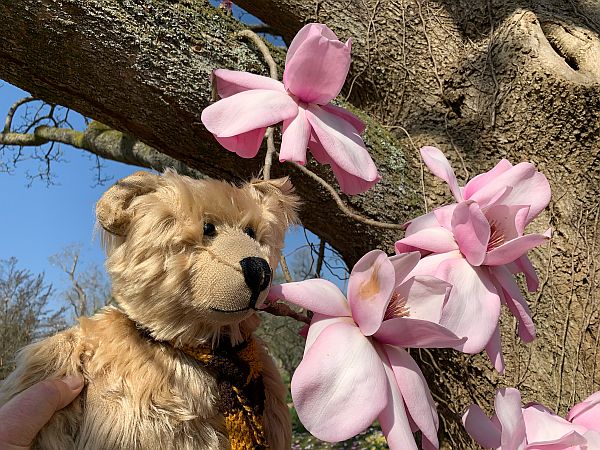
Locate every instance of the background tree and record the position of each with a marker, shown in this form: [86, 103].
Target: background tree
[89, 289]
[25, 312]
[482, 80]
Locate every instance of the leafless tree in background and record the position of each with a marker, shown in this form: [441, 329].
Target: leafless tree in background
[25, 313]
[89, 289]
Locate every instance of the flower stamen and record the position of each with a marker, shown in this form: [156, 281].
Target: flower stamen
[497, 237]
[396, 308]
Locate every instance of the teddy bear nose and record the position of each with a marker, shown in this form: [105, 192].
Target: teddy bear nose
[257, 275]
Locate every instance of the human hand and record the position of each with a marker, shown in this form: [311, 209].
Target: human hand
[24, 415]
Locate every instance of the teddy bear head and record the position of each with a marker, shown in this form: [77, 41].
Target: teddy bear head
[190, 259]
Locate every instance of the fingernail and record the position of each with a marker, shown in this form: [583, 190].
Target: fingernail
[75, 382]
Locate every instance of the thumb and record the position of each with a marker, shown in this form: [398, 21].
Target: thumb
[24, 415]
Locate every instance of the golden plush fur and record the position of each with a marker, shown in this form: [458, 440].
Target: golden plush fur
[174, 286]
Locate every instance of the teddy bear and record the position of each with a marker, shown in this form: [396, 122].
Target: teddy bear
[175, 364]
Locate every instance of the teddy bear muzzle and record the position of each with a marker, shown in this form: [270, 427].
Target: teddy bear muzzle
[257, 275]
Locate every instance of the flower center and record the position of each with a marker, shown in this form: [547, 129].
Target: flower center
[497, 238]
[396, 308]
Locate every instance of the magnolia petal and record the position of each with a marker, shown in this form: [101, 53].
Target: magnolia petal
[508, 221]
[440, 167]
[316, 65]
[341, 385]
[415, 392]
[570, 441]
[370, 288]
[342, 143]
[246, 145]
[404, 264]
[248, 111]
[346, 115]
[429, 265]
[316, 295]
[511, 250]
[444, 215]
[231, 82]
[471, 231]
[515, 302]
[425, 297]
[525, 266]
[483, 179]
[529, 187]
[545, 426]
[415, 333]
[508, 411]
[436, 240]
[394, 421]
[494, 350]
[420, 223]
[473, 306]
[318, 323]
[589, 402]
[593, 440]
[480, 427]
[350, 184]
[294, 138]
[587, 413]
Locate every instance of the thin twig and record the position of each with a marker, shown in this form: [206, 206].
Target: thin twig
[320, 258]
[343, 207]
[285, 269]
[270, 153]
[281, 309]
[561, 368]
[12, 110]
[262, 28]
[490, 60]
[420, 162]
[256, 39]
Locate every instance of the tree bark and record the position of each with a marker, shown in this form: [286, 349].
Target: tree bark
[481, 80]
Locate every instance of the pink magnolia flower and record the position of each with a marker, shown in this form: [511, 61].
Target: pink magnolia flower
[534, 427]
[477, 245]
[315, 70]
[355, 368]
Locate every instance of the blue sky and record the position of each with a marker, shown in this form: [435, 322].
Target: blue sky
[42, 220]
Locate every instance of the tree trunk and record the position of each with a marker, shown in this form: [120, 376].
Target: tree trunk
[481, 80]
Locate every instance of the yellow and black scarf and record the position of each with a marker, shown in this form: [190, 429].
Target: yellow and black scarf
[238, 370]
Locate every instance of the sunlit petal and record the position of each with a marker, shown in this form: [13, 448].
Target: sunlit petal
[340, 386]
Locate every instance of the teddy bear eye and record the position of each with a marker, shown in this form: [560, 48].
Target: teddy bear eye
[209, 229]
[250, 232]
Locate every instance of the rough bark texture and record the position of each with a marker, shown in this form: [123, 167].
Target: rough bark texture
[482, 80]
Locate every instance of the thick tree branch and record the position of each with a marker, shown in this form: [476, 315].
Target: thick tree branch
[104, 142]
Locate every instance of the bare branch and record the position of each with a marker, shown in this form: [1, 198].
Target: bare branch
[262, 28]
[104, 142]
[320, 258]
[13, 110]
[256, 39]
[345, 209]
[281, 309]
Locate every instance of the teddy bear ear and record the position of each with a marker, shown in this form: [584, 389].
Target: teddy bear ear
[283, 193]
[112, 209]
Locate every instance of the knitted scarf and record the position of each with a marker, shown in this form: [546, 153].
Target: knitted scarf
[238, 371]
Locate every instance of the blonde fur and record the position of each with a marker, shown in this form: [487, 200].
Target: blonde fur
[141, 391]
